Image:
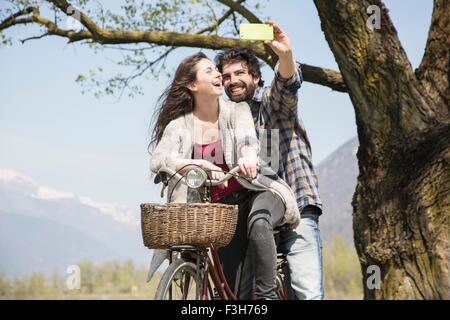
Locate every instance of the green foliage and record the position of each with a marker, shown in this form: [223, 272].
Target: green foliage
[5, 286]
[136, 60]
[5, 40]
[342, 272]
[109, 280]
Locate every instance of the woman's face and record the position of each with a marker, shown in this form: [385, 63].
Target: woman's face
[209, 79]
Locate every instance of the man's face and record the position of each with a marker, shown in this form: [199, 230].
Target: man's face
[238, 83]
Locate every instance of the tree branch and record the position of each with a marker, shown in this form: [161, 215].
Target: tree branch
[323, 76]
[127, 80]
[434, 70]
[35, 37]
[149, 65]
[12, 19]
[236, 6]
[236, 28]
[217, 23]
[388, 102]
[86, 21]
[103, 36]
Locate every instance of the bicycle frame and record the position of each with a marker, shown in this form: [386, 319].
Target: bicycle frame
[209, 272]
[210, 278]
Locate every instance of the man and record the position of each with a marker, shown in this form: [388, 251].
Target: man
[275, 112]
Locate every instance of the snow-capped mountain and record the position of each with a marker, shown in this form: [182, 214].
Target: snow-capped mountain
[42, 229]
[17, 182]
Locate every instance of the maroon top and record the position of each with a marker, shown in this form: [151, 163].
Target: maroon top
[213, 152]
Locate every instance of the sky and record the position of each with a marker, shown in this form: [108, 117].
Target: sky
[94, 147]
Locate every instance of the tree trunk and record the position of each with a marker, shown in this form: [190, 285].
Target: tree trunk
[402, 199]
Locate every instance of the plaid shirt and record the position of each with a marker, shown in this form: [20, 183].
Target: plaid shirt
[283, 137]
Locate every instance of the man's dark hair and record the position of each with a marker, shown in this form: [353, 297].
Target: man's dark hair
[245, 55]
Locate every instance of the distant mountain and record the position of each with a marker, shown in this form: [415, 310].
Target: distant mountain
[42, 229]
[337, 176]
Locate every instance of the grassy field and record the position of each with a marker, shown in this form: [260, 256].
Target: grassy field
[125, 280]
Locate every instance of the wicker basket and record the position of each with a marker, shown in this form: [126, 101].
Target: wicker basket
[198, 224]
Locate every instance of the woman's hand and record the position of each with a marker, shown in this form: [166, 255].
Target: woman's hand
[247, 163]
[216, 172]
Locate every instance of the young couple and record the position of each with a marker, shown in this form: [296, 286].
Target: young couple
[196, 126]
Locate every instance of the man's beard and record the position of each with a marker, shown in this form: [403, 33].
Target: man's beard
[246, 95]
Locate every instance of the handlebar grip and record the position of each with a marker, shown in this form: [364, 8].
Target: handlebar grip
[227, 177]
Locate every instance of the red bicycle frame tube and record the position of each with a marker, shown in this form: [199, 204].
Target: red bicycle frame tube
[214, 269]
[218, 267]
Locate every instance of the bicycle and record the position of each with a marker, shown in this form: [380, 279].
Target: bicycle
[195, 272]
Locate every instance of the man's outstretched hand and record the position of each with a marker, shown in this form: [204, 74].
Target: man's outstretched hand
[280, 43]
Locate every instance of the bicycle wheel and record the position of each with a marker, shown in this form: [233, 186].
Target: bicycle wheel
[178, 282]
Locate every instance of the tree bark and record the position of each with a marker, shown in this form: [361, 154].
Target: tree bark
[402, 199]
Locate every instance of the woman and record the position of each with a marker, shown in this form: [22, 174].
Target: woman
[194, 126]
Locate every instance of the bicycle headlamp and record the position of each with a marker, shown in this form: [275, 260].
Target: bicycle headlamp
[195, 178]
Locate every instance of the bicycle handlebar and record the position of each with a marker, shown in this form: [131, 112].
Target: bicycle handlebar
[174, 174]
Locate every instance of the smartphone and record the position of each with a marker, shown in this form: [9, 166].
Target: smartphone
[256, 31]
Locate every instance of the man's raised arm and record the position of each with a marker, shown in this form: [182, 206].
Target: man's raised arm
[283, 94]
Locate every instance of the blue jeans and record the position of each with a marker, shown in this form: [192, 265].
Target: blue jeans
[303, 249]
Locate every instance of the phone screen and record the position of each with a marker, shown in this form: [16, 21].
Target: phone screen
[256, 31]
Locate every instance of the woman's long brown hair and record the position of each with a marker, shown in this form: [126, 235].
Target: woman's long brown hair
[177, 99]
